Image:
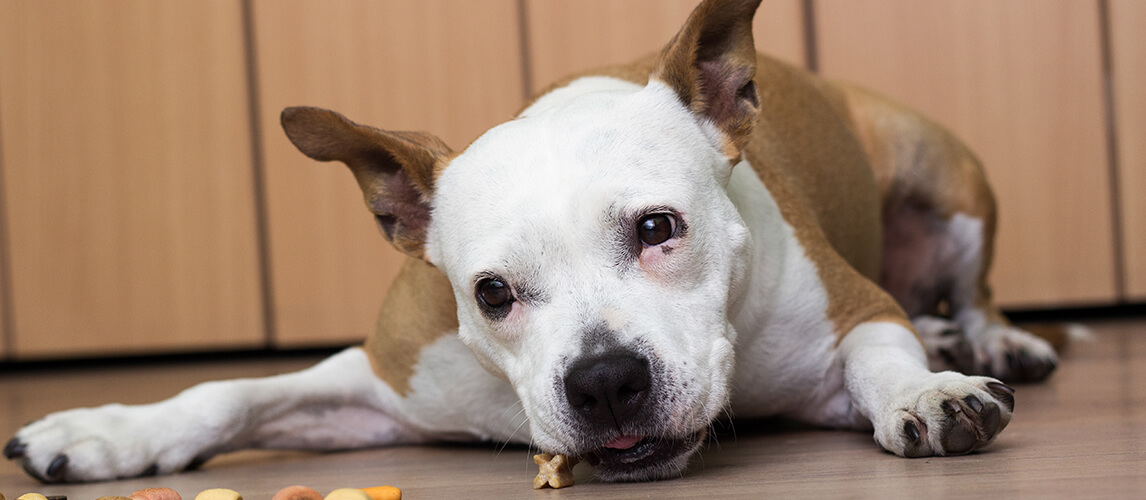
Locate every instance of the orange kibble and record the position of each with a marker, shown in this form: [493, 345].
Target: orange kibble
[112, 497]
[155, 494]
[384, 493]
[297, 493]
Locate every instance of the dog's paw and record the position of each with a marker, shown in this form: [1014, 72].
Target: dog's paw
[946, 344]
[951, 415]
[93, 444]
[1012, 355]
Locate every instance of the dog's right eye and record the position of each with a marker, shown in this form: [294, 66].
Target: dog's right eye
[494, 293]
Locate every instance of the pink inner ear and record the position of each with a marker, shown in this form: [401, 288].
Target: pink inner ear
[401, 211]
[720, 84]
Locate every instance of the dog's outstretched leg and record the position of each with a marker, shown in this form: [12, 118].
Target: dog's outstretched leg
[915, 412]
[336, 404]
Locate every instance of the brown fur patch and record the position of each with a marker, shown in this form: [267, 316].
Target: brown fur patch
[418, 310]
[806, 154]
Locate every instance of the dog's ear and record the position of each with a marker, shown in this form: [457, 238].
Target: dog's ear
[711, 63]
[396, 170]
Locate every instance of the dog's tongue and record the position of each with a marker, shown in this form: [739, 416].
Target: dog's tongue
[624, 442]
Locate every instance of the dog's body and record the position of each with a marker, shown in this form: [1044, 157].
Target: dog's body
[643, 249]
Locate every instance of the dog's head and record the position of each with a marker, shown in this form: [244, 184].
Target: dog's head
[594, 254]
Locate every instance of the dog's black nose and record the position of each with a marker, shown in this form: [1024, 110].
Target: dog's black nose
[608, 390]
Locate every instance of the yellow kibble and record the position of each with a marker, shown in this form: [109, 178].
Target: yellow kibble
[155, 494]
[384, 493]
[31, 496]
[347, 494]
[219, 494]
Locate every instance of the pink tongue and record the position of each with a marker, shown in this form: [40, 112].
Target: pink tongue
[624, 442]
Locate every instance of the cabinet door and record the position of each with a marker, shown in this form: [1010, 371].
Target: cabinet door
[1021, 83]
[1128, 51]
[448, 67]
[127, 175]
[567, 36]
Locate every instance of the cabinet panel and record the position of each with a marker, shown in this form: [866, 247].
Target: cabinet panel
[1128, 51]
[127, 177]
[568, 36]
[447, 67]
[1021, 83]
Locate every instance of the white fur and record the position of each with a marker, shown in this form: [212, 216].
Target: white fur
[538, 201]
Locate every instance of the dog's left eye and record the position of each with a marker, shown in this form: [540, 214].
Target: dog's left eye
[494, 293]
[654, 229]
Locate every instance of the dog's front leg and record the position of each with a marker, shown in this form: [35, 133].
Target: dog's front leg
[916, 412]
[336, 404]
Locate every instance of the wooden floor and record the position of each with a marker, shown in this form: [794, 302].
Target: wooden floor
[1082, 434]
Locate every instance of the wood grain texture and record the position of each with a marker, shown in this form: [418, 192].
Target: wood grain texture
[1021, 83]
[1128, 52]
[447, 67]
[128, 177]
[568, 36]
[1082, 434]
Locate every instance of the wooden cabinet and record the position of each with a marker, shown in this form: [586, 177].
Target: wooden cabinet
[1128, 72]
[127, 176]
[129, 133]
[448, 67]
[566, 36]
[1021, 83]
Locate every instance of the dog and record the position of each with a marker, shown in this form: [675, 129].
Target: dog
[643, 250]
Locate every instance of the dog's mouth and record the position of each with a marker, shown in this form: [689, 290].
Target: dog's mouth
[643, 458]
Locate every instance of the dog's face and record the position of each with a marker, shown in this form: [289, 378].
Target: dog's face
[594, 257]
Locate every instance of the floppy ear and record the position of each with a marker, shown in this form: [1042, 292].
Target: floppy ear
[395, 170]
[711, 63]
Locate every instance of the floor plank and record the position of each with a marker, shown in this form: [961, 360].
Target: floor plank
[1083, 433]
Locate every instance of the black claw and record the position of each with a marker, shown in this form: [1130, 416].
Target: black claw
[950, 332]
[911, 430]
[150, 471]
[57, 467]
[15, 449]
[974, 403]
[1004, 393]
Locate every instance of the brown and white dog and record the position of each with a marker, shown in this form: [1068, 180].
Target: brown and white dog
[640, 251]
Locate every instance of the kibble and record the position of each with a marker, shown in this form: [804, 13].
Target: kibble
[219, 494]
[31, 496]
[556, 471]
[297, 493]
[155, 494]
[384, 493]
[347, 494]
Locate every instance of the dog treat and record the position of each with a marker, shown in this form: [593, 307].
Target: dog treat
[155, 494]
[297, 492]
[347, 494]
[383, 493]
[31, 496]
[556, 471]
[219, 494]
[113, 497]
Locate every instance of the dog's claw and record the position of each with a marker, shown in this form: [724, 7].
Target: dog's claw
[974, 403]
[911, 430]
[57, 468]
[1004, 393]
[15, 449]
